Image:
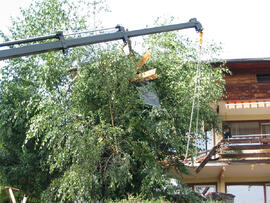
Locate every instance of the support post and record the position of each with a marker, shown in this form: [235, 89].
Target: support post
[221, 183]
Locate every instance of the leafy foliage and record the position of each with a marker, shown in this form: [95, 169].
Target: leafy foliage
[88, 136]
[4, 198]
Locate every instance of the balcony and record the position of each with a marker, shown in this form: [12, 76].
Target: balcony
[251, 149]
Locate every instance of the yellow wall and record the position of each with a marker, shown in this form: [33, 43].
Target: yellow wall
[245, 117]
[218, 177]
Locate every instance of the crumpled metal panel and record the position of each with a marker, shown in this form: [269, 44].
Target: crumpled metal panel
[148, 94]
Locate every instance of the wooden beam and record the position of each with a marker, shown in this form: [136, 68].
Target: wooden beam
[201, 158]
[24, 199]
[208, 157]
[143, 60]
[244, 155]
[250, 140]
[205, 190]
[247, 147]
[221, 174]
[147, 75]
[250, 136]
[248, 161]
[203, 152]
[25, 194]
[11, 195]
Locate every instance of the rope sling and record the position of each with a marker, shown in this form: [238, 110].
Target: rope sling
[196, 97]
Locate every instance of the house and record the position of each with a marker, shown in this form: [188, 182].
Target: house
[239, 165]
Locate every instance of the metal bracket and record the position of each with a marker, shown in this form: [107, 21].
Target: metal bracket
[198, 25]
[123, 31]
[126, 39]
[60, 35]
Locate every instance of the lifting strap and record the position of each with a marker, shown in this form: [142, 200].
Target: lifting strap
[196, 96]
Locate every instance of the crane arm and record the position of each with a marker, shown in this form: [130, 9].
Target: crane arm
[64, 44]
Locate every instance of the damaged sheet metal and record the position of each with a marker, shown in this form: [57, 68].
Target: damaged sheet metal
[148, 94]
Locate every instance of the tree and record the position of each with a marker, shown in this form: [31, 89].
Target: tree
[74, 128]
[25, 82]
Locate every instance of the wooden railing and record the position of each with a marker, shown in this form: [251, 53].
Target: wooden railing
[241, 149]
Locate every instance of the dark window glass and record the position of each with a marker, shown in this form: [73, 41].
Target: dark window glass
[263, 78]
[244, 128]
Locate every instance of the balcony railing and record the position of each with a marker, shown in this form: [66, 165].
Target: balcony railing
[251, 135]
[240, 149]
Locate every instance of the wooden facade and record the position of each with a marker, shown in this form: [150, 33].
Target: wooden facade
[243, 159]
[243, 84]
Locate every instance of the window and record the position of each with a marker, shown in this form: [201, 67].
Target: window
[250, 193]
[245, 128]
[265, 128]
[248, 128]
[262, 78]
[204, 188]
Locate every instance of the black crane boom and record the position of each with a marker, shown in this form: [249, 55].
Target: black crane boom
[64, 44]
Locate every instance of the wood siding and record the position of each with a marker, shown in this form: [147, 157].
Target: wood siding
[242, 83]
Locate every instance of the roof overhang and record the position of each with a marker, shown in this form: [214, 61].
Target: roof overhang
[229, 170]
[243, 63]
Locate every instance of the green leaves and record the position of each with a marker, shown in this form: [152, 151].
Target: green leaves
[74, 128]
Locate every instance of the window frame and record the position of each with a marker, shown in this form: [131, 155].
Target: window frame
[192, 185]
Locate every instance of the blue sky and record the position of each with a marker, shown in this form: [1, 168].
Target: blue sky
[242, 26]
